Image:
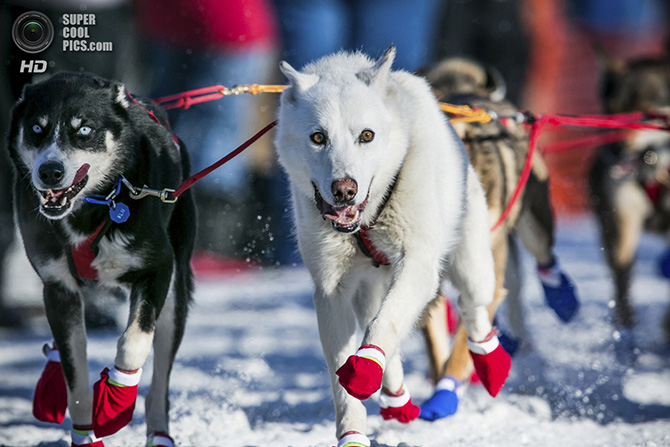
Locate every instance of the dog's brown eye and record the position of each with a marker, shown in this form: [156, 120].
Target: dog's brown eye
[318, 138]
[366, 136]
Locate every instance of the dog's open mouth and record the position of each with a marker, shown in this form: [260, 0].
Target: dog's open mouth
[55, 202]
[345, 219]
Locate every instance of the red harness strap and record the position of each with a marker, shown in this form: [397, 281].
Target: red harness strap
[83, 254]
[368, 248]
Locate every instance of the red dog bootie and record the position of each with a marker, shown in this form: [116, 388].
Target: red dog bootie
[492, 362]
[50, 399]
[159, 439]
[361, 375]
[353, 439]
[84, 437]
[114, 398]
[398, 406]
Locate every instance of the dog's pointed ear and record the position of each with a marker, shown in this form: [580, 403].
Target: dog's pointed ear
[120, 95]
[495, 84]
[300, 82]
[378, 75]
[612, 71]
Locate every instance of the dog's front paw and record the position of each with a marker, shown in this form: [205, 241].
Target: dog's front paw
[114, 398]
[398, 406]
[559, 292]
[492, 362]
[361, 375]
[50, 399]
[443, 402]
[353, 439]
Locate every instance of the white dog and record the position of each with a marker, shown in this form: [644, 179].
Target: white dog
[377, 171]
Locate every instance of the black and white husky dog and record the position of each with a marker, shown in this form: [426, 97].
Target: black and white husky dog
[81, 148]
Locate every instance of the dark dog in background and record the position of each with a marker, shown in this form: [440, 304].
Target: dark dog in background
[78, 144]
[498, 151]
[630, 181]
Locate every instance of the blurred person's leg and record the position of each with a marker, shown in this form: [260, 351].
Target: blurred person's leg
[409, 25]
[311, 29]
[210, 131]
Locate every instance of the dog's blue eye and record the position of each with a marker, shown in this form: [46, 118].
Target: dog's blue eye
[84, 130]
[37, 128]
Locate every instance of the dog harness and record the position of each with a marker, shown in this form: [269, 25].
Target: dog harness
[81, 256]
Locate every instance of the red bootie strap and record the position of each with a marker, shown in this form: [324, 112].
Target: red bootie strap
[353, 439]
[374, 353]
[486, 346]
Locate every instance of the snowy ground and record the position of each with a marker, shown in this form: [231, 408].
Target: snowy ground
[250, 371]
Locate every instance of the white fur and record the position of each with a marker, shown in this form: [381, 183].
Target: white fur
[435, 223]
[115, 257]
[57, 270]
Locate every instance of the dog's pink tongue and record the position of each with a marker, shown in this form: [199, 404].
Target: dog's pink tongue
[344, 213]
[81, 173]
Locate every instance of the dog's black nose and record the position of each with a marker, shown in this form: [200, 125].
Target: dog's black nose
[344, 190]
[51, 173]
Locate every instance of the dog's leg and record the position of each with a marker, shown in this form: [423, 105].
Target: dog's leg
[169, 332]
[337, 330]
[65, 313]
[535, 227]
[621, 210]
[459, 366]
[436, 336]
[472, 272]
[116, 392]
[395, 399]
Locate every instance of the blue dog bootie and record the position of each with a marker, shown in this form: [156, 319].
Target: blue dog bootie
[509, 343]
[444, 401]
[664, 263]
[559, 292]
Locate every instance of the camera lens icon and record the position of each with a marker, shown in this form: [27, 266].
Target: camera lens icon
[32, 32]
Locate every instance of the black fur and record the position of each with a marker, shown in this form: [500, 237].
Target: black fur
[145, 153]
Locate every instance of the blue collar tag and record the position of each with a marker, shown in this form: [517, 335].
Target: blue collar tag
[119, 212]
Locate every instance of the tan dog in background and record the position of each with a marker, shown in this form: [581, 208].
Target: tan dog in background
[498, 151]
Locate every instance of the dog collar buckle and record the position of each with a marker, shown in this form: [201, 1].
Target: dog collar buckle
[136, 193]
